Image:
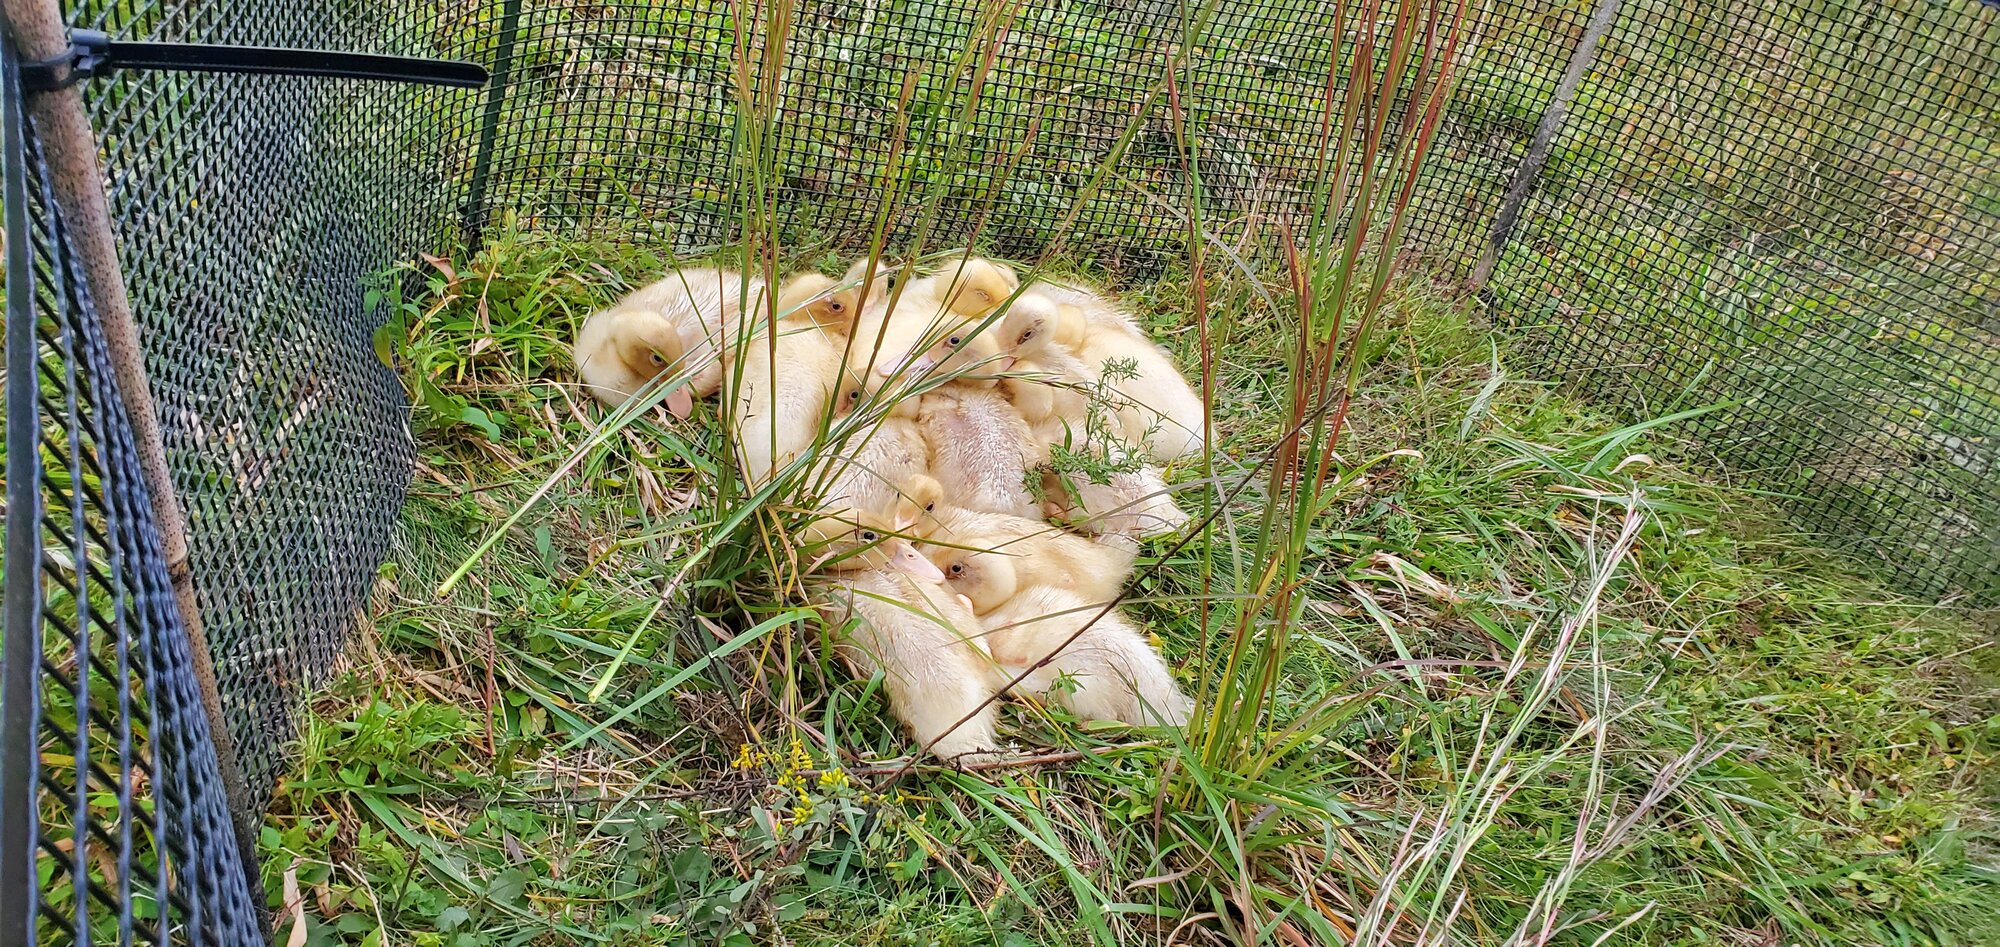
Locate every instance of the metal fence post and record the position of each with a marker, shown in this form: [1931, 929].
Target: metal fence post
[19, 700]
[472, 218]
[1553, 117]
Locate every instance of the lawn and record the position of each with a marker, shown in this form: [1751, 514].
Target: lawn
[1541, 681]
[1510, 669]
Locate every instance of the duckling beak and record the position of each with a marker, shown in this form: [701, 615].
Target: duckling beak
[680, 404]
[905, 557]
[1007, 362]
[908, 365]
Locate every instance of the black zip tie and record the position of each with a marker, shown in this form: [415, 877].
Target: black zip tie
[93, 53]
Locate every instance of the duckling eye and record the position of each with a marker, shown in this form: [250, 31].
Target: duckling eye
[836, 307]
[1025, 336]
[931, 506]
[657, 360]
[958, 568]
[953, 341]
[868, 536]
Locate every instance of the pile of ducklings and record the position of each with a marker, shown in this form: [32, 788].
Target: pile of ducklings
[920, 419]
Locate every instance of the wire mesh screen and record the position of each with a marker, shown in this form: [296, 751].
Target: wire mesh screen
[1793, 210]
[615, 116]
[1785, 205]
[122, 816]
[254, 213]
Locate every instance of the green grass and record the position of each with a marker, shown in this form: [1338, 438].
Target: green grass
[1756, 744]
[1474, 663]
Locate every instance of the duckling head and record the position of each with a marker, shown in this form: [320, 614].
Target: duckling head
[959, 349]
[1034, 322]
[980, 286]
[919, 502]
[869, 541]
[985, 578]
[858, 276]
[649, 344]
[857, 389]
[813, 295]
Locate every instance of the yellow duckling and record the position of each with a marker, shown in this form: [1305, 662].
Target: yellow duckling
[1156, 405]
[851, 540]
[1135, 503]
[890, 616]
[1053, 389]
[784, 387]
[821, 299]
[704, 305]
[870, 467]
[1158, 408]
[1040, 554]
[620, 350]
[1045, 380]
[931, 324]
[1098, 663]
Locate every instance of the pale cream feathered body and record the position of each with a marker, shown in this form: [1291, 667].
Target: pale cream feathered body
[1107, 671]
[783, 394]
[1040, 554]
[922, 638]
[1155, 407]
[1136, 503]
[980, 448]
[1092, 658]
[705, 304]
[1099, 664]
[872, 468]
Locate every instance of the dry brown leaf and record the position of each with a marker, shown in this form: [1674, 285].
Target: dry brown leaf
[323, 892]
[441, 265]
[1633, 459]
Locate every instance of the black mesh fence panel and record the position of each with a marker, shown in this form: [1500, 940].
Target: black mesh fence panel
[253, 216]
[621, 118]
[1792, 210]
[128, 833]
[254, 213]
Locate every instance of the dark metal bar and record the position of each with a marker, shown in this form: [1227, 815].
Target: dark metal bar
[472, 219]
[20, 698]
[92, 53]
[1553, 117]
[183, 57]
